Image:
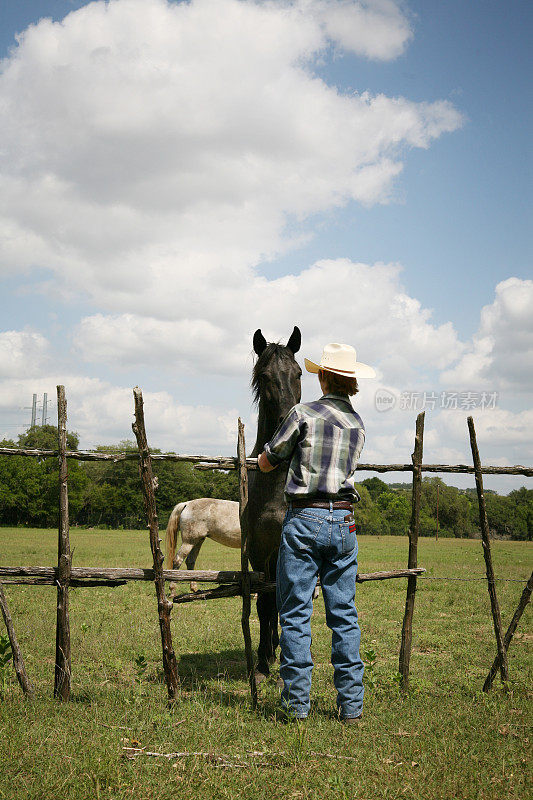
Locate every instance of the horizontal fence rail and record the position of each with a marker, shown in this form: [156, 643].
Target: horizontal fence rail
[228, 463]
[235, 589]
[122, 574]
[115, 576]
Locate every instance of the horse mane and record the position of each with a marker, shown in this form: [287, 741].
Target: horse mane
[273, 350]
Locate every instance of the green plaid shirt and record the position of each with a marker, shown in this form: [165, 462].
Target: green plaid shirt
[322, 441]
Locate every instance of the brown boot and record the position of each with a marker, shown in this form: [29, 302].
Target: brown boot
[351, 720]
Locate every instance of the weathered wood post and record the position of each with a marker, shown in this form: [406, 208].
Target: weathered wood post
[407, 627]
[524, 600]
[64, 560]
[164, 605]
[485, 538]
[18, 661]
[245, 578]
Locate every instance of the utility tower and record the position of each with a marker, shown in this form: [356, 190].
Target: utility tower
[45, 406]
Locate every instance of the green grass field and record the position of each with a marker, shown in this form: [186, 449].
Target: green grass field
[445, 739]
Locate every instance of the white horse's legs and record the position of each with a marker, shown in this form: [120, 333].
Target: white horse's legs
[191, 561]
[181, 555]
[188, 552]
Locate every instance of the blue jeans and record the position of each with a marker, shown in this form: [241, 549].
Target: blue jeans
[317, 542]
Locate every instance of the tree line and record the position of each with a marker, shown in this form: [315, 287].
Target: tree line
[107, 494]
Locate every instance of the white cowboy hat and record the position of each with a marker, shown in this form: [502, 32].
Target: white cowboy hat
[342, 360]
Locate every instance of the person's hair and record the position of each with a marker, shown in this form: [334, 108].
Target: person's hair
[338, 383]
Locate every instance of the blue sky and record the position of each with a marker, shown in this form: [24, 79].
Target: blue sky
[455, 217]
[464, 207]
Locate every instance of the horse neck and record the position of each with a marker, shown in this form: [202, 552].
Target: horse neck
[266, 426]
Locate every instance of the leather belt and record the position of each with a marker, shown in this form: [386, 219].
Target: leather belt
[345, 504]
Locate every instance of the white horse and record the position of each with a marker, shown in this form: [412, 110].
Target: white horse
[198, 520]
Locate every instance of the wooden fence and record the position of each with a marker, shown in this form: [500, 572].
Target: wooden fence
[229, 583]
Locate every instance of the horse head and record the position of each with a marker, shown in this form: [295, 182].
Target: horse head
[276, 378]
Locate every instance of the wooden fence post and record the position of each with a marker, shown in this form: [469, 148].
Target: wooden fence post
[18, 661]
[485, 538]
[524, 600]
[64, 560]
[245, 579]
[407, 627]
[164, 605]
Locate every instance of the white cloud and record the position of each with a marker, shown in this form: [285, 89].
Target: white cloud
[500, 356]
[377, 29]
[23, 353]
[503, 436]
[169, 425]
[102, 413]
[498, 431]
[191, 344]
[153, 149]
[332, 300]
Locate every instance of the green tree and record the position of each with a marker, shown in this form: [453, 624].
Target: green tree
[113, 495]
[523, 500]
[29, 486]
[368, 517]
[375, 487]
[455, 518]
[508, 515]
[44, 437]
[396, 510]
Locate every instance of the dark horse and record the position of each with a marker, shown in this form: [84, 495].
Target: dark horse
[277, 387]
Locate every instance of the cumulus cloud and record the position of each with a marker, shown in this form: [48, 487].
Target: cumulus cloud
[500, 355]
[215, 334]
[152, 149]
[102, 413]
[377, 29]
[192, 344]
[499, 429]
[504, 439]
[23, 353]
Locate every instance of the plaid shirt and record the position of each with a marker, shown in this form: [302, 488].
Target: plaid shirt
[323, 441]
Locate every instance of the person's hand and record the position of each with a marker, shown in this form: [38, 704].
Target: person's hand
[264, 464]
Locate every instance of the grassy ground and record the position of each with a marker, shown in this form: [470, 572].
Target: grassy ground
[446, 739]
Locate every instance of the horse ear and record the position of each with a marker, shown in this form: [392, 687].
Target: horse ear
[295, 341]
[259, 342]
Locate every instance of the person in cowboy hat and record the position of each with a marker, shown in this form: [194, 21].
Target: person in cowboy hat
[322, 441]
